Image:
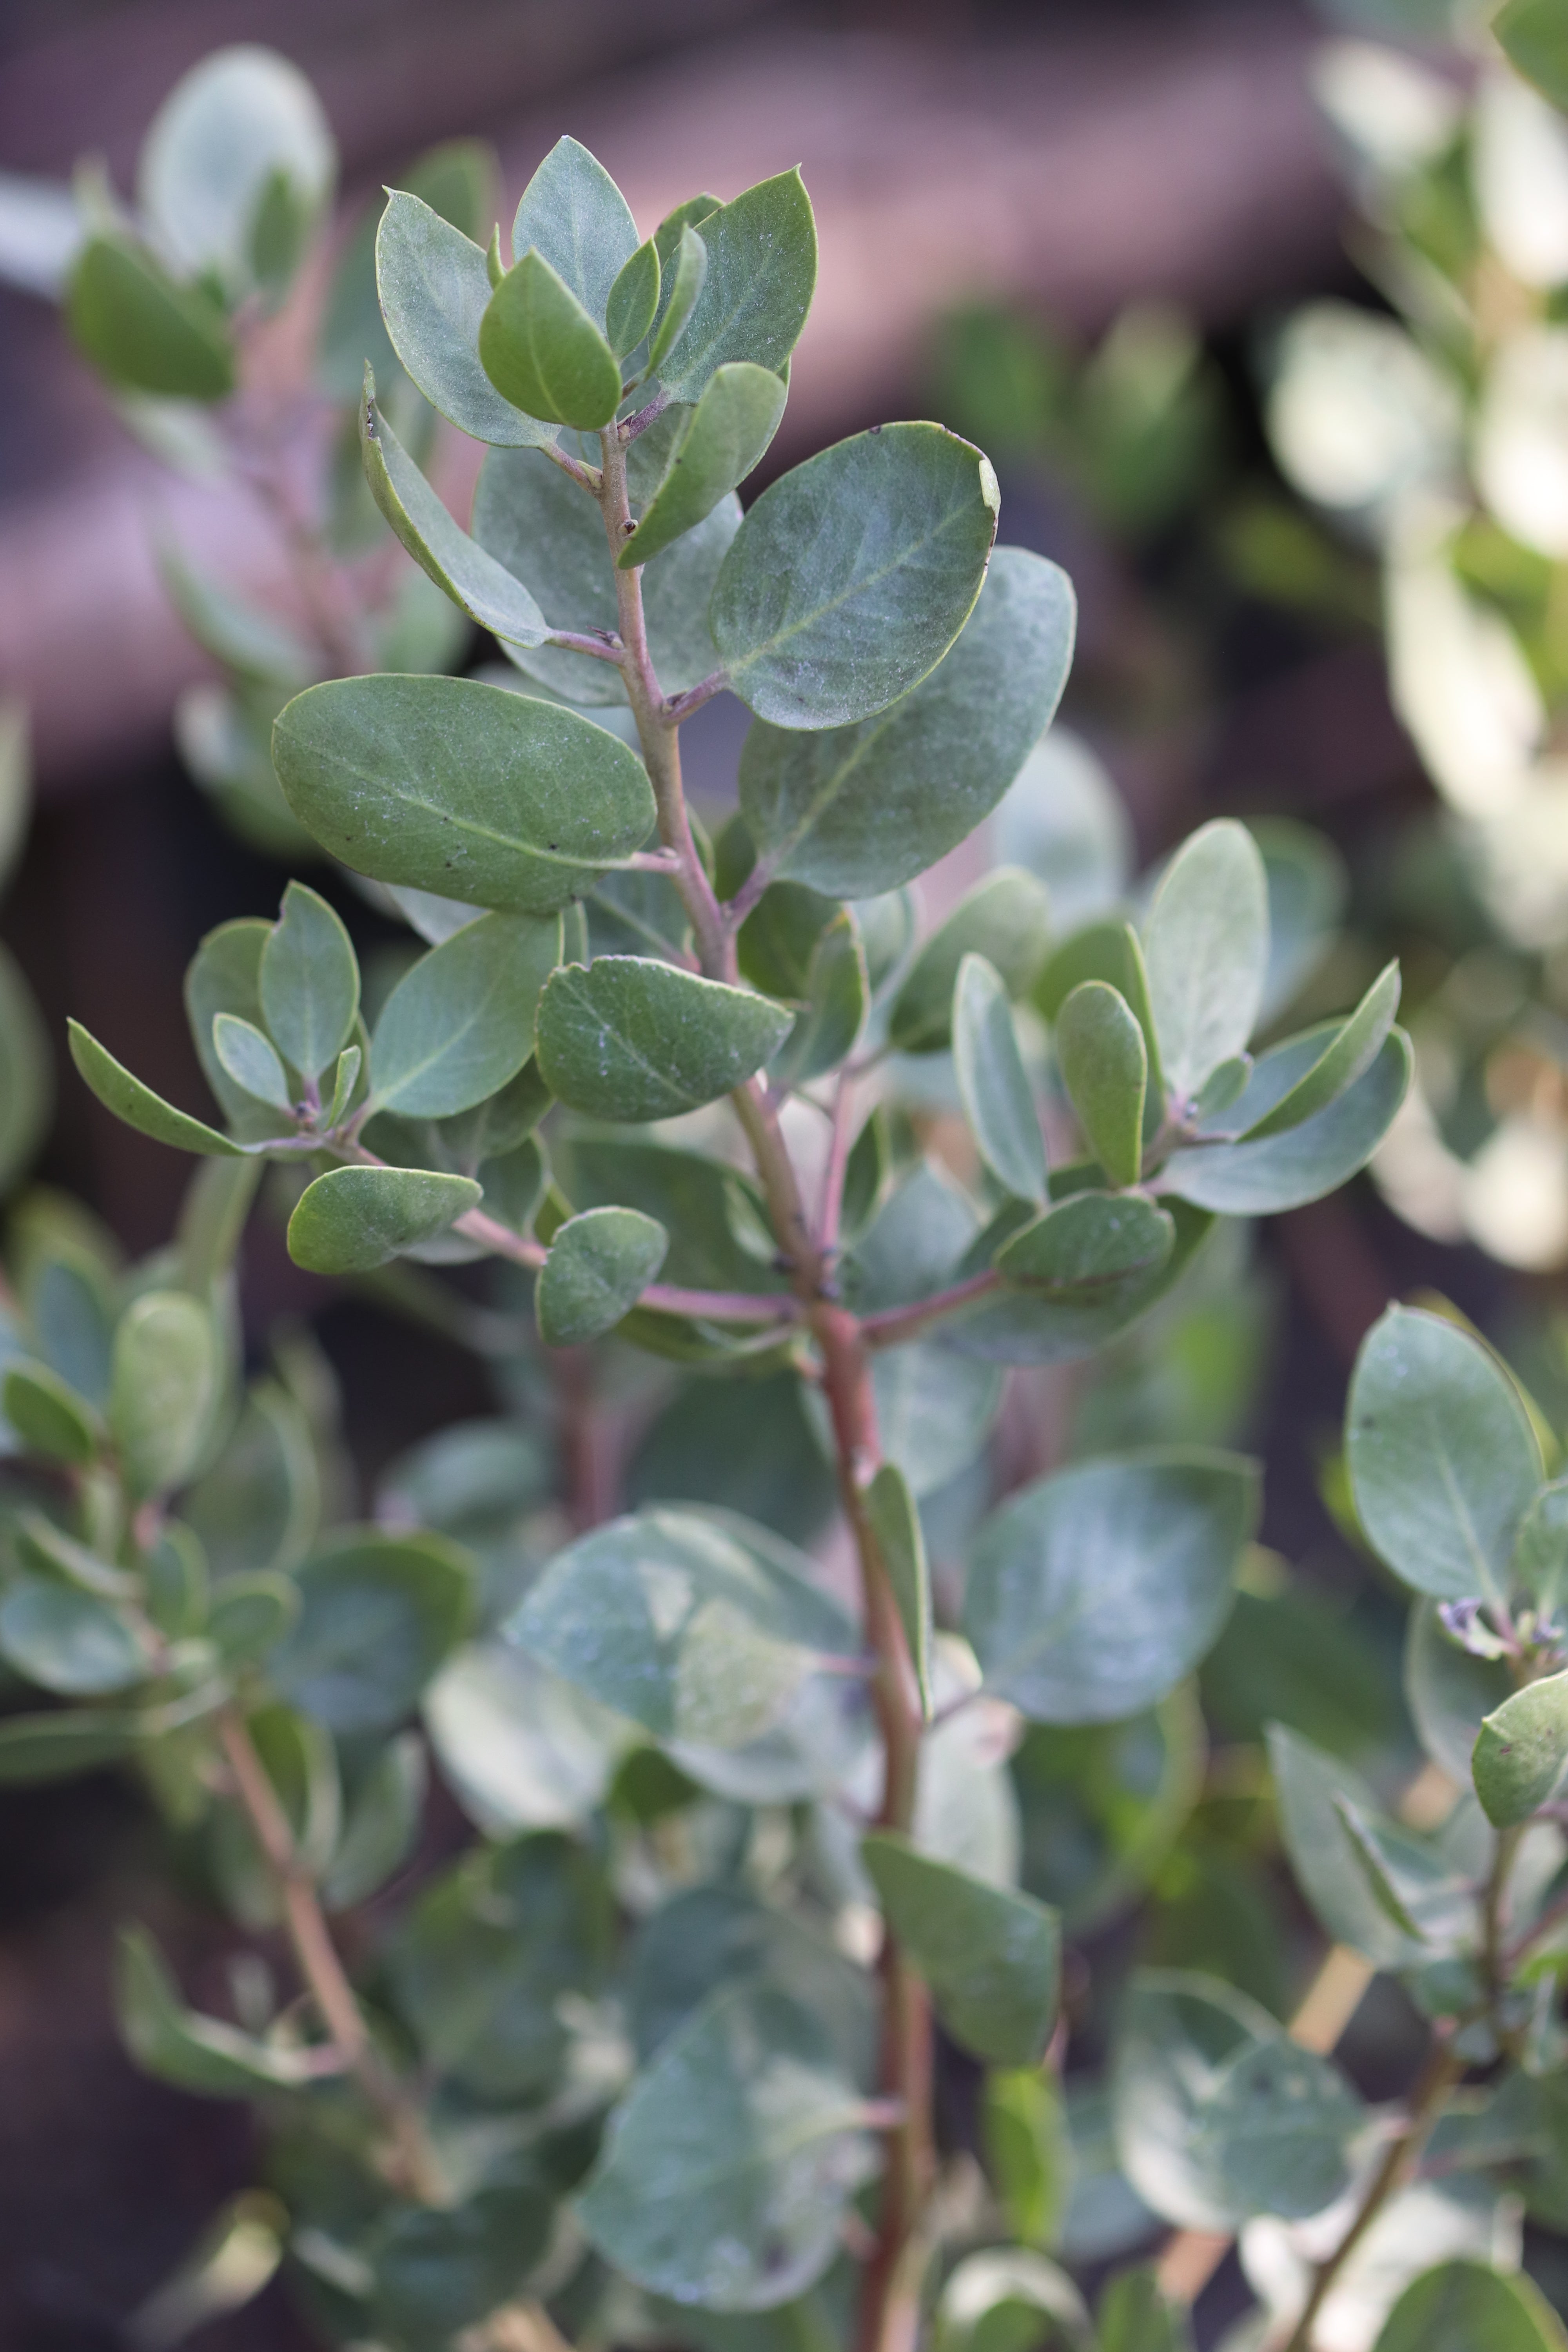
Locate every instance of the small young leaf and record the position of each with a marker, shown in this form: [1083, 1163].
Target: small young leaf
[1028, 2150]
[167, 1372]
[308, 981]
[474, 580]
[459, 1024]
[599, 1266]
[344, 1080]
[1443, 1460]
[1351, 1051]
[1312, 1790]
[860, 809]
[378, 1615]
[1089, 1242]
[632, 301]
[1093, 1592]
[1110, 950]
[573, 213]
[679, 291]
[1284, 1171]
[726, 2172]
[354, 1219]
[1205, 943]
[47, 1414]
[543, 353]
[838, 999]
[1521, 1751]
[251, 1061]
[725, 436]
[69, 1641]
[631, 1038]
[1004, 919]
[993, 1083]
[196, 2053]
[895, 1523]
[492, 798]
[754, 292]
[141, 330]
[1464, 2306]
[992, 1957]
[435, 289]
[136, 1105]
[1105, 1068]
[851, 576]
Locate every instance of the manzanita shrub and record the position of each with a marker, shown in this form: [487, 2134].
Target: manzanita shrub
[653, 2062]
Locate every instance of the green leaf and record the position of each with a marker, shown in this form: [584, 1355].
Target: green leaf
[695, 1623]
[250, 1614]
[934, 1411]
[168, 1370]
[175, 2044]
[1090, 1244]
[1028, 1324]
[991, 1955]
[1284, 1171]
[379, 1614]
[345, 1078]
[383, 1824]
[1027, 2151]
[1108, 951]
[754, 293]
[633, 302]
[43, 1546]
[599, 1266]
[895, 1523]
[679, 288]
[232, 127]
[224, 976]
[1105, 1068]
[518, 1747]
[460, 180]
[1462, 2306]
[837, 999]
[1448, 1690]
[353, 1220]
[727, 2171]
[26, 1075]
[441, 2272]
[539, 525]
[860, 809]
[631, 1038]
[57, 1746]
[1533, 35]
[573, 212]
[1006, 2298]
[1003, 918]
[1540, 1564]
[259, 1505]
[459, 1024]
[543, 353]
[136, 1105]
[141, 330]
[1414, 1880]
[1094, 1592]
[492, 798]
[1205, 943]
[723, 439]
[483, 588]
[1351, 1051]
[49, 1415]
[251, 1061]
[175, 1580]
[486, 1953]
[1219, 2115]
[851, 576]
[1311, 1789]
[1135, 2316]
[435, 290]
[69, 1641]
[1443, 1460]
[237, 634]
[1520, 1752]
[993, 1084]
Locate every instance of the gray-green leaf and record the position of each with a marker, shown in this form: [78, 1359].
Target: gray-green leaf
[435, 289]
[1092, 1593]
[724, 436]
[353, 1220]
[1004, 919]
[309, 982]
[632, 301]
[860, 809]
[1089, 1244]
[497, 798]
[1284, 1171]
[67, 1641]
[1350, 1050]
[1521, 1752]
[136, 1105]
[573, 212]
[991, 1955]
[679, 291]
[543, 353]
[851, 576]
[754, 292]
[599, 1265]
[164, 1383]
[726, 2172]
[1443, 1460]
[1206, 944]
[631, 1038]
[993, 1083]
[378, 1615]
[459, 1024]
[1105, 1068]
[251, 1060]
[895, 1523]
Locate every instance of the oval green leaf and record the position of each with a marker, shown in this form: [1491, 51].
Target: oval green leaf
[991, 1955]
[725, 436]
[459, 1024]
[543, 353]
[435, 288]
[631, 1038]
[599, 1265]
[1105, 1068]
[754, 291]
[378, 1614]
[353, 1220]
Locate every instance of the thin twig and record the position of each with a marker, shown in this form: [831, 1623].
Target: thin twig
[680, 706]
[894, 1324]
[585, 476]
[603, 644]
